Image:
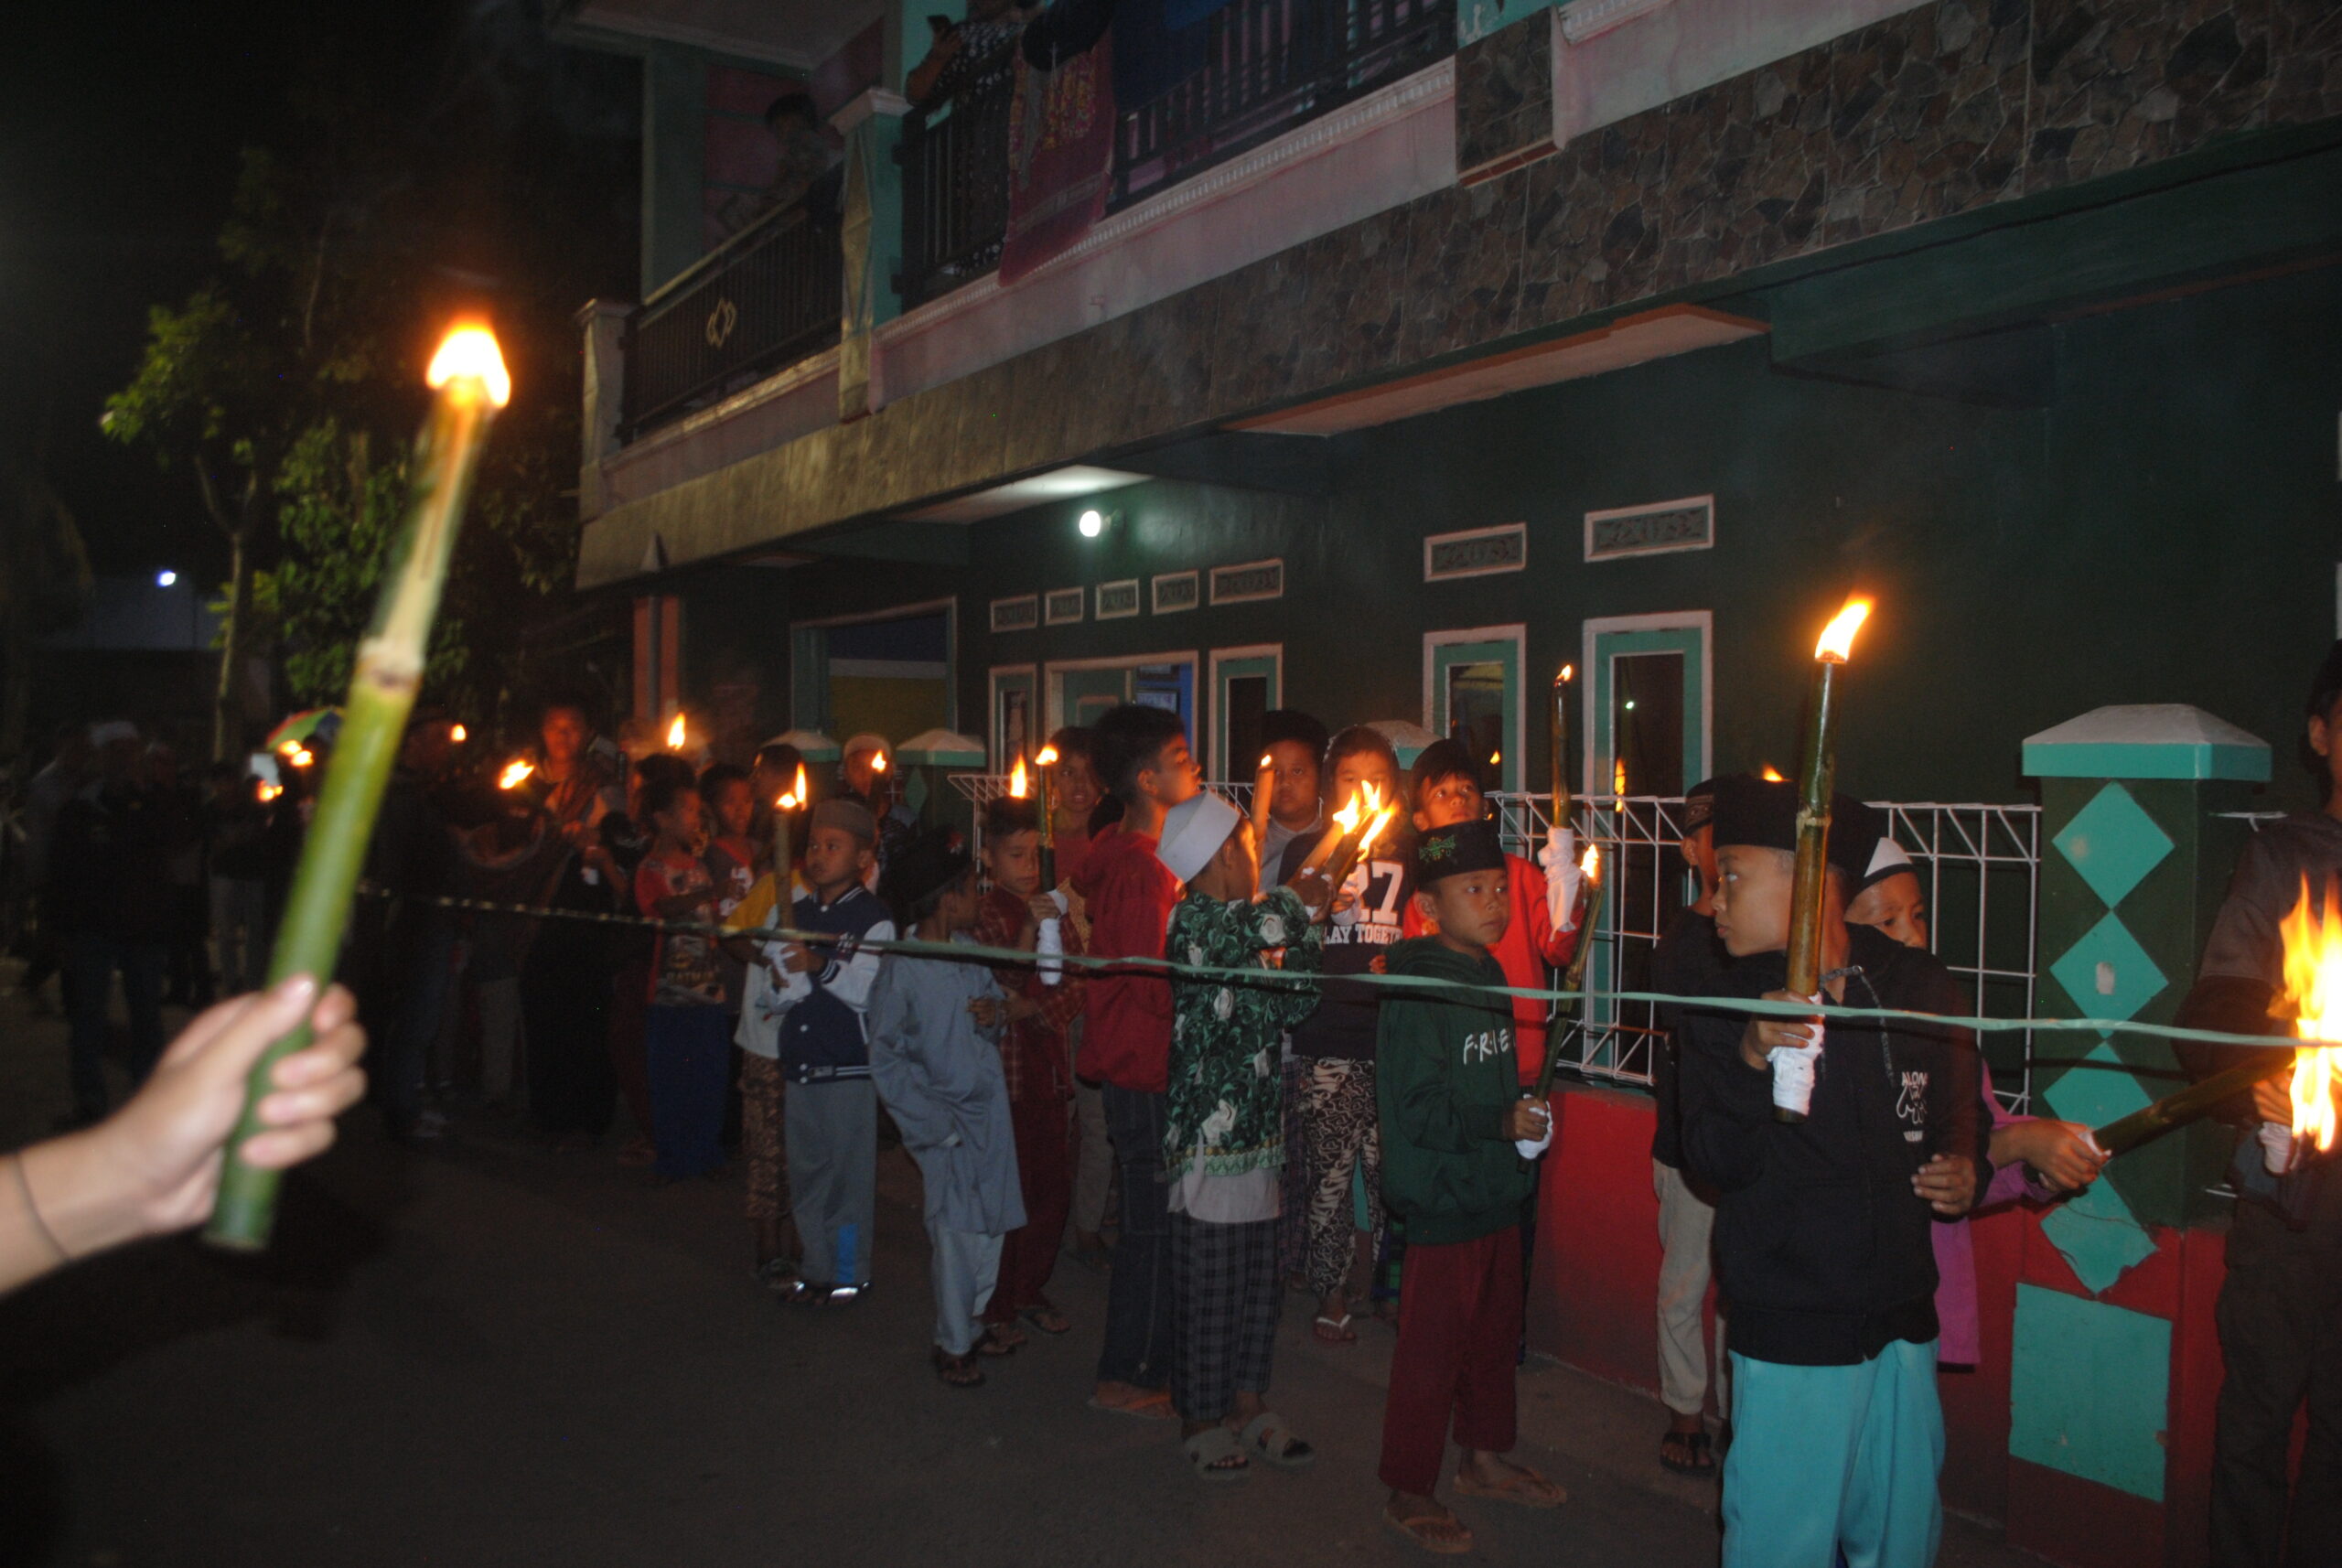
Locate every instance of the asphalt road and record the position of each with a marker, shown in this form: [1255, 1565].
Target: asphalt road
[491, 1353]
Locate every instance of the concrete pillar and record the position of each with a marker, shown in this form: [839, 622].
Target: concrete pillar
[603, 322]
[674, 164]
[927, 761]
[872, 235]
[2109, 1417]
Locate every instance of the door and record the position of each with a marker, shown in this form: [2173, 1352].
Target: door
[1246, 683]
[1014, 716]
[1472, 694]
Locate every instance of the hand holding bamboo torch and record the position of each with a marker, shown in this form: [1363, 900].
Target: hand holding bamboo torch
[2312, 953]
[468, 375]
[1793, 1092]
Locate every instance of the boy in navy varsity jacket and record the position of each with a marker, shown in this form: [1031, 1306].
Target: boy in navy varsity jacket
[831, 1121]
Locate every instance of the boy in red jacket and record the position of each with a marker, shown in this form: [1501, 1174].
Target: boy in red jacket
[1446, 790]
[1141, 755]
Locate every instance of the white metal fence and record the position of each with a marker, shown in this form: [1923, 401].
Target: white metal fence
[1979, 864]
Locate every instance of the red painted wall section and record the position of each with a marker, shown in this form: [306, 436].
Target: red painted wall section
[1594, 1297]
[2079, 1522]
[1976, 1399]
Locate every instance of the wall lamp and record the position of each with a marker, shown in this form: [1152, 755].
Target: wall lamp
[1093, 522]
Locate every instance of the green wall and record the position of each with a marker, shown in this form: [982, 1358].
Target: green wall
[2165, 531]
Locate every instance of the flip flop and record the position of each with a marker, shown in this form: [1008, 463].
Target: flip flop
[1703, 1460]
[1525, 1489]
[1209, 1453]
[993, 1342]
[1456, 1540]
[1334, 1331]
[957, 1371]
[1267, 1435]
[1156, 1409]
[1047, 1319]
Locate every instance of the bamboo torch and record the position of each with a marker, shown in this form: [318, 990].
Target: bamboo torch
[2313, 949]
[468, 373]
[784, 853]
[1047, 760]
[1558, 810]
[1265, 789]
[1816, 780]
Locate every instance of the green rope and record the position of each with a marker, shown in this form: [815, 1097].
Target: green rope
[971, 952]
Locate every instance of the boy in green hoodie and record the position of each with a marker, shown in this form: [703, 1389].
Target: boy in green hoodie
[1459, 1147]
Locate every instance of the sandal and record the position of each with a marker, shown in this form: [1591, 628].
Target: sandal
[1334, 1330]
[1155, 1405]
[1214, 1454]
[957, 1371]
[1699, 1458]
[994, 1341]
[1444, 1536]
[1523, 1487]
[1047, 1319]
[1267, 1435]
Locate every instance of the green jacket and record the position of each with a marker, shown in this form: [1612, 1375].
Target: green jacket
[1444, 1081]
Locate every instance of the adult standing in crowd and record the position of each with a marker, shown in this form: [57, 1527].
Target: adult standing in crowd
[109, 882]
[45, 797]
[2280, 1311]
[566, 968]
[188, 961]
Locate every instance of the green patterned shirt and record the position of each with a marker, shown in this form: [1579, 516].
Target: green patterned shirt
[1226, 1110]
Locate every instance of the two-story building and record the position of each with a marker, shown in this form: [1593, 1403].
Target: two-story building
[1418, 347]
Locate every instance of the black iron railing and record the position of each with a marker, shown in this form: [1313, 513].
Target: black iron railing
[955, 185]
[767, 297]
[1269, 65]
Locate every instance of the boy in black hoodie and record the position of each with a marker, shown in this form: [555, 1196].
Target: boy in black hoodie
[1459, 1147]
[1823, 1230]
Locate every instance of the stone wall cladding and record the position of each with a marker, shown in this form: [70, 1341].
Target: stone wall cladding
[1936, 112]
[1504, 94]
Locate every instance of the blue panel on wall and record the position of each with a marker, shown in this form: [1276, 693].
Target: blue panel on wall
[2089, 1389]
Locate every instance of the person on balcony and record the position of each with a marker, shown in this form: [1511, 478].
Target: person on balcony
[806, 175]
[972, 58]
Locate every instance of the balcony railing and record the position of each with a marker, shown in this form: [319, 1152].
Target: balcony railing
[766, 298]
[1269, 65]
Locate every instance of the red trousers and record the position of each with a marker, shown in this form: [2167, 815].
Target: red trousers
[1459, 1333]
[1029, 1255]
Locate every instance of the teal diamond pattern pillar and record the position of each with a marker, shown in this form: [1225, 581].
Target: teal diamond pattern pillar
[2138, 856]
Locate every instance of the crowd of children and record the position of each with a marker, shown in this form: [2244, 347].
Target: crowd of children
[1278, 1118]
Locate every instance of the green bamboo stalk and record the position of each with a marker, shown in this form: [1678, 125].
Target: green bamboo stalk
[2120, 1137]
[1817, 780]
[382, 689]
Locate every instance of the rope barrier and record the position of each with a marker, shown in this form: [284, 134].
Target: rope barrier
[973, 953]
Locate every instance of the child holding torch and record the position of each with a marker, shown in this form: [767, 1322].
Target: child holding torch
[1823, 1227]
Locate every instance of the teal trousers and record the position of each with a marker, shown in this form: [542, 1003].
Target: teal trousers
[1825, 1459]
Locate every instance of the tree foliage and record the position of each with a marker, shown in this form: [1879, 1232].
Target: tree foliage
[289, 387]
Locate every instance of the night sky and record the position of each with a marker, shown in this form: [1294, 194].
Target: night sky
[120, 130]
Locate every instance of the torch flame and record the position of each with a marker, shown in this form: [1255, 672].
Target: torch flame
[1495, 758]
[1365, 801]
[301, 757]
[458, 734]
[879, 762]
[1267, 762]
[1772, 774]
[515, 774]
[1047, 756]
[1382, 819]
[2314, 985]
[469, 353]
[788, 802]
[1569, 672]
[677, 734]
[1590, 863]
[1837, 644]
[1017, 780]
[269, 791]
[801, 795]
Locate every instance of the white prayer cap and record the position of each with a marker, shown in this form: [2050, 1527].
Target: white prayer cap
[1193, 831]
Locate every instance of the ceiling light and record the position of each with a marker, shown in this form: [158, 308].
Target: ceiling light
[164, 579]
[1092, 523]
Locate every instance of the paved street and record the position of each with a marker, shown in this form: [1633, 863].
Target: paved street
[494, 1354]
